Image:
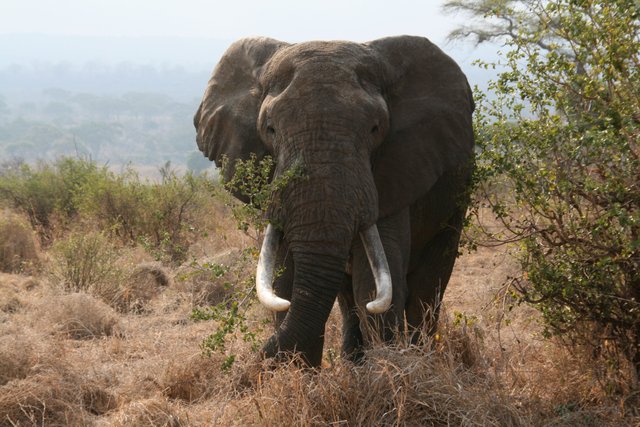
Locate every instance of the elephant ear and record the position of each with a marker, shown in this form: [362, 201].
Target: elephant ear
[430, 106]
[226, 119]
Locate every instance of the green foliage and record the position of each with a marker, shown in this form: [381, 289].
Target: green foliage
[86, 262]
[160, 216]
[560, 141]
[230, 314]
[48, 190]
[252, 180]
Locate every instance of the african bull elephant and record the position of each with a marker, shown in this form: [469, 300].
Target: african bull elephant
[383, 132]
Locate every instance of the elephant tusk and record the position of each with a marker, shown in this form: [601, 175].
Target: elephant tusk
[380, 268]
[265, 272]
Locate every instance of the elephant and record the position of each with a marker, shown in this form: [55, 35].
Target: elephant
[383, 133]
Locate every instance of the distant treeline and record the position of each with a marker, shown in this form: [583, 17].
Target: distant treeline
[26, 82]
[139, 128]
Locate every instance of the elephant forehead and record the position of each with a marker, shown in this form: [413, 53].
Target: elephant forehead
[333, 57]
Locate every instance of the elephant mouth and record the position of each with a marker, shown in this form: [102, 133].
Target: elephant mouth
[265, 273]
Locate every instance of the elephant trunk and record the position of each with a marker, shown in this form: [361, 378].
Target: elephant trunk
[317, 280]
[321, 215]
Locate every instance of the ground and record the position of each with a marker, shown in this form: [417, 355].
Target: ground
[71, 359]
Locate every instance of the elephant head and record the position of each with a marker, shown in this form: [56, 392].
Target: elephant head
[374, 126]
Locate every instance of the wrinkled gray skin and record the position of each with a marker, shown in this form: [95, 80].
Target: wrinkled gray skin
[383, 133]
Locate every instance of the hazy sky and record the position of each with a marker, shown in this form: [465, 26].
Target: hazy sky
[290, 20]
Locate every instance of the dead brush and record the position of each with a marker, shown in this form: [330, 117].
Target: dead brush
[145, 282]
[156, 411]
[431, 382]
[558, 385]
[78, 316]
[53, 394]
[10, 298]
[193, 378]
[18, 353]
[210, 281]
[86, 262]
[18, 249]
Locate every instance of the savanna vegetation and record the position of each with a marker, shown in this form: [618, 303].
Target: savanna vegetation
[125, 301]
[140, 128]
[102, 327]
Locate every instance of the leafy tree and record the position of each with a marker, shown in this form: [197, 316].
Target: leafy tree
[559, 163]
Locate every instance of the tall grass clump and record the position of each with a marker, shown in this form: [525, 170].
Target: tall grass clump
[18, 250]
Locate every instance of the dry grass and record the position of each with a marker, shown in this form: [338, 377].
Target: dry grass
[209, 280]
[394, 386]
[146, 281]
[18, 248]
[71, 359]
[156, 412]
[78, 316]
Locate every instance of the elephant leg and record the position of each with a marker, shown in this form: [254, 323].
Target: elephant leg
[429, 276]
[395, 234]
[351, 333]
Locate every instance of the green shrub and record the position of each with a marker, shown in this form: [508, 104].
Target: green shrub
[561, 137]
[163, 216]
[87, 262]
[46, 191]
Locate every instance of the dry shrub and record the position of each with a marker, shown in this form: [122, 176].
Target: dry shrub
[79, 316]
[209, 281]
[48, 398]
[18, 250]
[54, 396]
[403, 384]
[144, 283]
[12, 292]
[157, 412]
[10, 302]
[87, 262]
[17, 357]
[558, 385]
[192, 378]
[393, 387]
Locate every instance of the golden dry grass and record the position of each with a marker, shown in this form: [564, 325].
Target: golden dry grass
[72, 359]
[18, 247]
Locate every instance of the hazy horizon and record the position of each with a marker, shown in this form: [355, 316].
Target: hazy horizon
[120, 80]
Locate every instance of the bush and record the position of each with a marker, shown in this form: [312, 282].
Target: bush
[561, 136]
[17, 244]
[161, 216]
[48, 190]
[86, 262]
[144, 283]
[80, 316]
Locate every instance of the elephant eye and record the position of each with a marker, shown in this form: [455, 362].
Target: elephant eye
[375, 129]
[271, 130]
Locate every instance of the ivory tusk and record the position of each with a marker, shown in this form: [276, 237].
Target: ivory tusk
[265, 272]
[380, 268]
